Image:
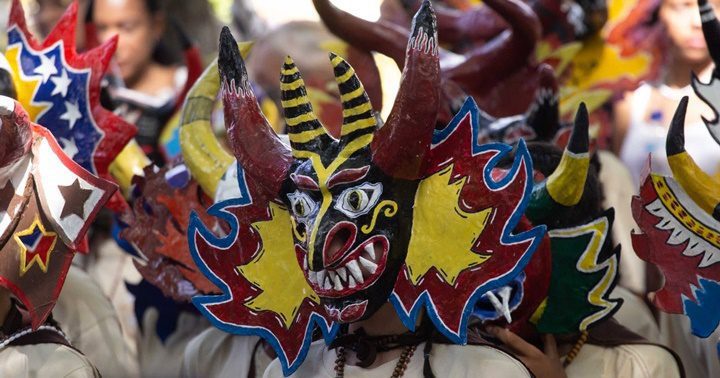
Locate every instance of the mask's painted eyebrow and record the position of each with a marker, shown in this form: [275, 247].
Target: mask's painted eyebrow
[304, 182]
[347, 176]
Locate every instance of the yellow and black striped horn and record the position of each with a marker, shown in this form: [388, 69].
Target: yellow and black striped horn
[700, 186]
[358, 116]
[307, 135]
[565, 186]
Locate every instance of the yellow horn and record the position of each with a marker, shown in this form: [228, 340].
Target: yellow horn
[701, 187]
[130, 162]
[567, 183]
[204, 156]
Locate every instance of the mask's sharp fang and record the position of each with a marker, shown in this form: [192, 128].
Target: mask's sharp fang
[505, 296]
[495, 302]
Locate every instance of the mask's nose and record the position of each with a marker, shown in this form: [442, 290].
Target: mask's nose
[338, 242]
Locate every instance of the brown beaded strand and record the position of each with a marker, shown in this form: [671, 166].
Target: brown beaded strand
[400, 367]
[576, 348]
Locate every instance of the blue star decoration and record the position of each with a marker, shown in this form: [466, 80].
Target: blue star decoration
[60, 89]
[62, 92]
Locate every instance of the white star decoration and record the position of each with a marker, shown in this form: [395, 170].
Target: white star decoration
[69, 147]
[46, 68]
[72, 114]
[61, 84]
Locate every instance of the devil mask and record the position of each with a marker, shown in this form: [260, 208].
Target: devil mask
[157, 227]
[60, 89]
[47, 203]
[578, 269]
[679, 219]
[331, 229]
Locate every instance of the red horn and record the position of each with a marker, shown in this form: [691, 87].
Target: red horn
[383, 37]
[478, 24]
[399, 147]
[494, 61]
[254, 143]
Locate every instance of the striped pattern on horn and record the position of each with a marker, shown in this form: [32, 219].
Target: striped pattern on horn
[306, 132]
[358, 116]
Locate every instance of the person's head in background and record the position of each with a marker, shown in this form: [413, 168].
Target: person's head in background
[680, 20]
[140, 25]
[48, 12]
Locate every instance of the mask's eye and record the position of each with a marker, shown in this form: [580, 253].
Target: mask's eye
[301, 204]
[359, 200]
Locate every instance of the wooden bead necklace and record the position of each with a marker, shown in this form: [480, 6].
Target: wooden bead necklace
[576, 348]
[399, 367]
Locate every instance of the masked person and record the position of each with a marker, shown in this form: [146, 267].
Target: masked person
[383, 239]
[48, 204]
[89, 135]
[575, 314]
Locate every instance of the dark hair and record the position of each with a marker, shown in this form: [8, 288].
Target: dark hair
[163, 53]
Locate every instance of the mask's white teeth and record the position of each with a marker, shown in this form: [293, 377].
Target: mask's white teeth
[505, 296]
[370, 250]
[312, 277]
[351, 282]
[327, 285]
[367, 264]
[321, 276]
[305, 265]
[355, 272]
[342, 272]
[338, 285]
[495, 302]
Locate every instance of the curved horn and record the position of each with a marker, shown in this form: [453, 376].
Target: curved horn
[358, 116]
[701, 187]
[544, 113]
[399, 147]
[503, 55]
[711, 30]
[382, 37]
[477, 23]
[307, 135]
[565, 186]
[204, 156]
[256, 146]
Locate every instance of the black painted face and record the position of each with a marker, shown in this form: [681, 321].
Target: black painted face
[351, 229]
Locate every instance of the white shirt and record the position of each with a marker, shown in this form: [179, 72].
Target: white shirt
[626, 361]
[218, 354]
[44, 360]
[89, 320]
[445, 360]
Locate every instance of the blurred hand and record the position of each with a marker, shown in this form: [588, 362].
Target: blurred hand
[543, 364]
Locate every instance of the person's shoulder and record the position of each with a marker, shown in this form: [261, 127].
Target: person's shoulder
[647, 360]
[44, 360]
[475, 360]
[214, 349]
[312, 366]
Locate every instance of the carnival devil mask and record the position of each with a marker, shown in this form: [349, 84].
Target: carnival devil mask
[47, 203]
[60, 89]
[679, 216]
[331, 229]
[578, 268]
[680, 233]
